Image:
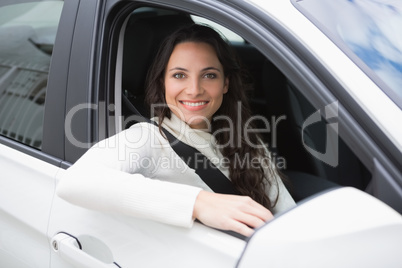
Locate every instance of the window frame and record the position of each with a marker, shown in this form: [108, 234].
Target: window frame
[290, 56]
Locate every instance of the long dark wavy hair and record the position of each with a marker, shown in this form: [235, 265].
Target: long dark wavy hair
[247, 181]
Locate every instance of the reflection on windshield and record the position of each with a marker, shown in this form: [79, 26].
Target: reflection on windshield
[379, 44]
[371, 29]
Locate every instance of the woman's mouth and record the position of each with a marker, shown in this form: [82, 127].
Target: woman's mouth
[188, 103]
[194, 105]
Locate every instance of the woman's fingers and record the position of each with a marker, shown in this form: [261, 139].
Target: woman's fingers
[230, 212]
[241, 228]
[253, 208]
[249, 220]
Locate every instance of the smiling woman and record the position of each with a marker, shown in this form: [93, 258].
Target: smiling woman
[195, 81]
[225, 91]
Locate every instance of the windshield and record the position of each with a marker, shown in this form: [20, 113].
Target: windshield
[368, 31]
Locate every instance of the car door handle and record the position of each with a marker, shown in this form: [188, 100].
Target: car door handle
[69, 249]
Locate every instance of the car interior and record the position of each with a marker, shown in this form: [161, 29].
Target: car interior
[274, 96]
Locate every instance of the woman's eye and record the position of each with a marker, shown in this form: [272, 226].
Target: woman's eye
[179, 76]
[210, 76]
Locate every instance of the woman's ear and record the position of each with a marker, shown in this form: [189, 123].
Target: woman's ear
[226, 85]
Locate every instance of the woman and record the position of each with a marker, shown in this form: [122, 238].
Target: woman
[194, 88]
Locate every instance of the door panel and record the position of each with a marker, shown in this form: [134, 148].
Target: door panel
[26, 192]
[133, 242]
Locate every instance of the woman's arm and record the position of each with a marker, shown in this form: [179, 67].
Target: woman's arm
[101, 180]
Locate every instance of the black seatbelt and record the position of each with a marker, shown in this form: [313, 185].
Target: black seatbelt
[204, 168]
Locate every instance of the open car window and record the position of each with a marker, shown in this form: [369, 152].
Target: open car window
[308, 151]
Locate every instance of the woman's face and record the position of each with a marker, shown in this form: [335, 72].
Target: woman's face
[194, 83]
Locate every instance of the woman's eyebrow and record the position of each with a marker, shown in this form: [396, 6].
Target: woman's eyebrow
[178, 69]
[211, 68]
[185, 70]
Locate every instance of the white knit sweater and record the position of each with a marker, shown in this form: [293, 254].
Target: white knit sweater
[137, 173]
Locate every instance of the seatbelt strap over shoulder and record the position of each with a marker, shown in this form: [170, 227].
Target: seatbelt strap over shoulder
[204, 168]
[207, 171]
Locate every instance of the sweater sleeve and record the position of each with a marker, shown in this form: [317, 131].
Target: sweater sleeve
[100, 180]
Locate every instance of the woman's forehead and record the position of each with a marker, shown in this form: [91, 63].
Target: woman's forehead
[192, 54]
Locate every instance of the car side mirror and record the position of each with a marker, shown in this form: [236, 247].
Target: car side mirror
[344, 227]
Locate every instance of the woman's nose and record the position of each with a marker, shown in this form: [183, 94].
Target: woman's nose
[194, 87]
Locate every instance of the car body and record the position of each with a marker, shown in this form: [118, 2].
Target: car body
[67, 67]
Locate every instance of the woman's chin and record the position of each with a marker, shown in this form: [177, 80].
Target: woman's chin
[199, 122]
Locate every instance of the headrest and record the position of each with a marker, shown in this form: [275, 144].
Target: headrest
[141, 42]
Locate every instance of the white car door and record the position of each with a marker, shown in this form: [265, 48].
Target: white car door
[26, 192]
[87, 238]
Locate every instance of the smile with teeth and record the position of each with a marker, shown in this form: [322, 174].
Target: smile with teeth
[194, 104]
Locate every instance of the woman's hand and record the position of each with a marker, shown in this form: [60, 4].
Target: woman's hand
[230, 212]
